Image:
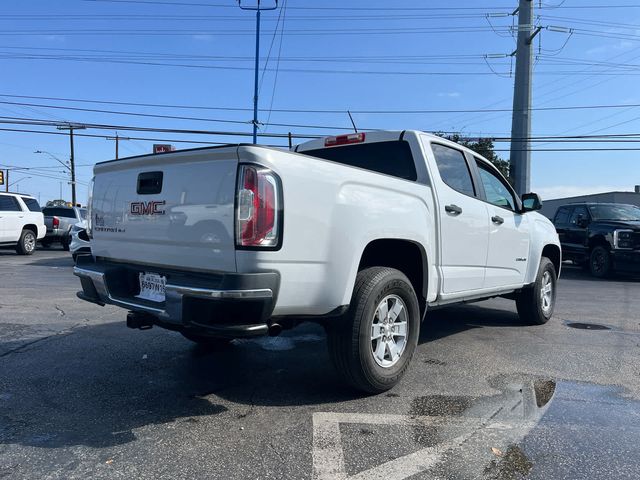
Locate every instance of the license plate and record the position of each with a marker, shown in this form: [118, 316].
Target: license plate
[152, 286]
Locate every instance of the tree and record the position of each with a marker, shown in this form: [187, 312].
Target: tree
[484, 147]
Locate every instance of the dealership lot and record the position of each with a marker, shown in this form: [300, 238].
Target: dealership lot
[485, 397]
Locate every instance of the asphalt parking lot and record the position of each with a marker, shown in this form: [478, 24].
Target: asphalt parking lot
[82, 396]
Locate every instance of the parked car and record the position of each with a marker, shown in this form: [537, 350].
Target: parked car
[59, 221]
[79, 240]
[21, 222]
[360, 232]
[603, 237]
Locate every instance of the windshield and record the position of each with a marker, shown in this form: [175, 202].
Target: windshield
[614, 212]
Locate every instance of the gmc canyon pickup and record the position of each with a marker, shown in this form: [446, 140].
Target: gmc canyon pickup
[361, 232]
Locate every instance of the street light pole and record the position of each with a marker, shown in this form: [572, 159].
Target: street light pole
[258, 9]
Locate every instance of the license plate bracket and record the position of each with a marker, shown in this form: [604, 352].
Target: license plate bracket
[152, 286]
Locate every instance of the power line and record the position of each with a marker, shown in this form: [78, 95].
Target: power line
[303, 110]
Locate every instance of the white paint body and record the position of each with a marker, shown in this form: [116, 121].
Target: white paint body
[331, 213]
[12, 222]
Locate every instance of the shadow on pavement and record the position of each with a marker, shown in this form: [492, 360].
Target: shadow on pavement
[63, 260]
[98, 384]
[573, 272]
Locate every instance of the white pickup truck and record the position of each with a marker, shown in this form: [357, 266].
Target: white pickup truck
[361, 232]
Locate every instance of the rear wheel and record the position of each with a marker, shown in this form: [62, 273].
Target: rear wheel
[600, 262]
[535, 304]
[66, 242]
[372, 345]
[27, 243]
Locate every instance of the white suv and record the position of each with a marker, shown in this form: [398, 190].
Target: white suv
[21, 222]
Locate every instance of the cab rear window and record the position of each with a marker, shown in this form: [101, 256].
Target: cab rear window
[59, 212]
[391, 158]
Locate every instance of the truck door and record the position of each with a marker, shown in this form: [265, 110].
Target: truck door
[576, 240]
[464, 224]
[509, 232]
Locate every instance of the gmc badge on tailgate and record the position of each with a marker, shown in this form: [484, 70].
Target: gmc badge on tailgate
[152, 207]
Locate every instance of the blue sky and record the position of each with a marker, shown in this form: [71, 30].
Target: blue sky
[415, 56]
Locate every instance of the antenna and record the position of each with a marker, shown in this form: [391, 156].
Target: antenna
[352, 122]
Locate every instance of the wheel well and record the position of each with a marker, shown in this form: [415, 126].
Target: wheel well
[31, 227]
[403, 255]
[597, 240]
[552, 252]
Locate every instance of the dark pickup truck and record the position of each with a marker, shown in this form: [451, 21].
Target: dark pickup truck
[604, 237]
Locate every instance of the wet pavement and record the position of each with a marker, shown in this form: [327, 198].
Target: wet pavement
[82, 396]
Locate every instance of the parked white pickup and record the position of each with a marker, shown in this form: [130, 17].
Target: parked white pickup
[362, 232]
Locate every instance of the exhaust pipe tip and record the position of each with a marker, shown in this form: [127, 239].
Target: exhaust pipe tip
[275, 329]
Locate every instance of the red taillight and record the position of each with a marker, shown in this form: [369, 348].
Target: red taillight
[344, 139]
[56, 222]
[258, 204]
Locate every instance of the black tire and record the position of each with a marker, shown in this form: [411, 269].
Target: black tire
[600, 262]
[206, 340]
[350, 336]
[530, 303]
[27, 243]
[66, 243]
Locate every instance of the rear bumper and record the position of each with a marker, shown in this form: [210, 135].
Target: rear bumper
[626, 261]
[221, 304]
[55, 234]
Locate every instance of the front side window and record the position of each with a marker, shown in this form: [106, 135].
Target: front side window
[453, 169]
[496, 191]
[9, 204]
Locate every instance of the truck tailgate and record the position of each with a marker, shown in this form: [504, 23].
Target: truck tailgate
[169, 210]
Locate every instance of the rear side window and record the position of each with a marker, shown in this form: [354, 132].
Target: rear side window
[32, 204]
[59, 212]
[391, 158]
[562, 216]
[453, 169]
[577, 212]
[9, 204]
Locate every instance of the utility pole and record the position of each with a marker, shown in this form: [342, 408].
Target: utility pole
[520, 158]
[258, 9]
[71, 127]
[6, 182]
[117, 139]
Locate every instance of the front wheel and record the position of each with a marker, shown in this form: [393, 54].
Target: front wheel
[600, 262]
[27, 243]
[535, 304]
[372, 345]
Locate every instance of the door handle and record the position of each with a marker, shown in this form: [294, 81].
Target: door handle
[497, 220]
[454, 209]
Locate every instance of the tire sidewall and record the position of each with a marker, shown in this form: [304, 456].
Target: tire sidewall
[546, 267]
[607, 262]
[393, 284]
[23, 242]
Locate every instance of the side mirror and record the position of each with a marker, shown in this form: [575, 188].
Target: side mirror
[531, 202]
